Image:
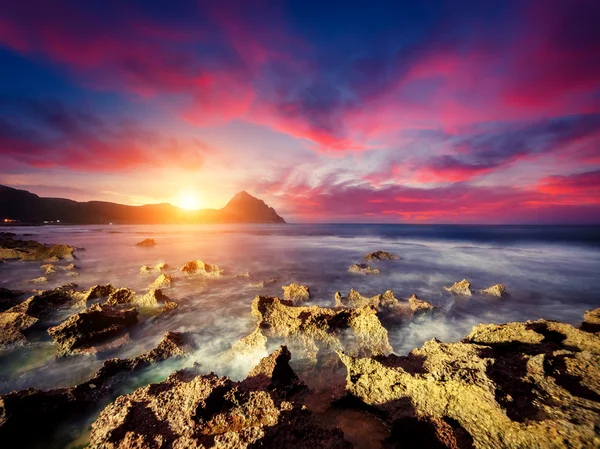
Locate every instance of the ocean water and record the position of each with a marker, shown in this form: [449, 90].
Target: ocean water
[549, 272]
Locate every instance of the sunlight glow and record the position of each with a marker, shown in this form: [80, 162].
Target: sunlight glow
[188, 200]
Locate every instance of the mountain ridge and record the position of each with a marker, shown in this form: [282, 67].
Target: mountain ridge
[27, 207]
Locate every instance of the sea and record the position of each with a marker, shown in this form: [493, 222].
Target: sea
[550, 272]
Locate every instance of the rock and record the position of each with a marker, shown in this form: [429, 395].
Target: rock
[153, 298]
[263, 284]
[460, 288]
[274, 373]
[162, 281]
[98, 291]
[199, 267]
[155, 269]
[46, 302]
[11, 248]
[40, 280]
[193, 410]
[355, 299]
[495, 290]
[48, 269]
[296, 293]
[55, 408]
[9, 298]
[52, 269]
[591, 321]
[381, 255]
[120, 296]
[311, 330]
[169, 306]
[90, 327]
[392, 309]
[251, 346]
[12, 328]
[146, 242]
[363, 268]
[532, 384]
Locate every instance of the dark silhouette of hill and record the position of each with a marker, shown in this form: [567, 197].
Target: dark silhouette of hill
[27, 207]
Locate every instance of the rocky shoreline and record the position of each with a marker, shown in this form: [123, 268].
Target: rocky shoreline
[327, 376]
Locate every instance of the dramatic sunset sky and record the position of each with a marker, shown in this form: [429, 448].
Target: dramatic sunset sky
[432, 111]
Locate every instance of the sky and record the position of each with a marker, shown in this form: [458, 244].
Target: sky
[330, 111]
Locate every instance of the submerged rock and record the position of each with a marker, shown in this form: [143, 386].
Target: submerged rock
[40, 280]
[163, 266]
[296, 293]
[53, 408]
[381, 255]
[83, 330]
[460, 288]
[146, 242]
[265, 283]
[27, 250]
[189, 409]
[199, 267]
[495, 290]
[591, 321]
[309, 330]
[50, 268]
[363, 268]
[533, 384]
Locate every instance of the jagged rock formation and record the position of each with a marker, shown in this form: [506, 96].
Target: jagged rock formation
[11, 248]
[296, 293]
[12, 328]
[146, 242]
[162, 281]
[460, 288]
[591, 321]
[264, 283]
[46, 302]
[495, 290]
[118, 296]
[199, 267]
[391, 308]
[193, 410]
[381, 255]
[533, 384]
[363, 268]
[50, 268]
[312, 331]
[83, 330]
[159, 267]
[19, 410]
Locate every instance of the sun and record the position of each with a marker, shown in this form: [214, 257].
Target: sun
[188, 200]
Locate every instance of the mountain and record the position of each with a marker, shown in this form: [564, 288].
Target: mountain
[27, 207]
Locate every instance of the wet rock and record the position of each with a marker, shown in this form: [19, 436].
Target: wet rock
[265, 283]
[296, 293]
[391, 308]
[90, 327]
[532, 384]
[363, 268]
[12, 328]
[252, 345]
[146, 242]
[162, 281]
[153, 298]
[495, 290]
[381, 255]
[591, 321]
[11, 248]
[9, 298]
[50, 268]
[155, 269]
[40, 280]
[460, 288]
[54, 408]
[311, 330]
[199, 267]
[168, 306]
[193, 410]
[274, 373]
[120, 296]
[46, 302]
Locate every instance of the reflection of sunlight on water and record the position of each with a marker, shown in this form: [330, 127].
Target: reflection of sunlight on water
[556, 281]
